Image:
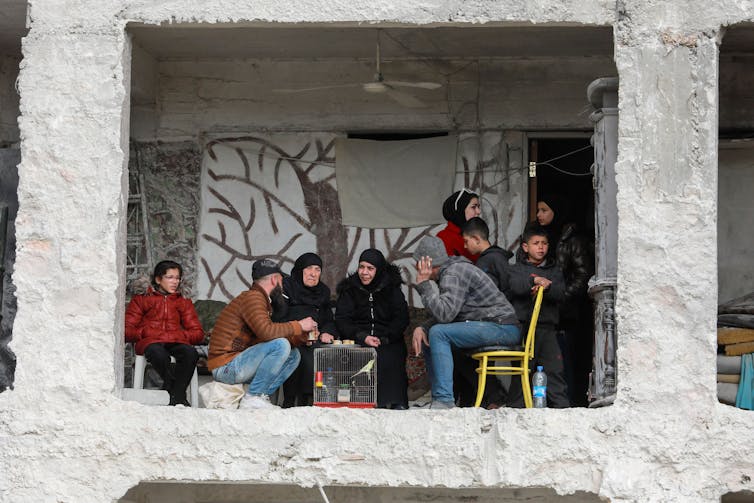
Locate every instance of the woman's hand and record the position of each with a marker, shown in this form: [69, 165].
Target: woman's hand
[419, 338]
[372, 341]
[326, 338]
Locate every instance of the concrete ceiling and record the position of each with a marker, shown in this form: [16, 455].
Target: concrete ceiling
[312, 42]
[12, 26]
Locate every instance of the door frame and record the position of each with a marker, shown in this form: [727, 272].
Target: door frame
[531, 202]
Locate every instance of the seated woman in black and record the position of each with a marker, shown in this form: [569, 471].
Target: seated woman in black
[371, 309]
[305, 295]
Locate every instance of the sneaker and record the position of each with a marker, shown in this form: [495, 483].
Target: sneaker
[438, 405]
[256, 402]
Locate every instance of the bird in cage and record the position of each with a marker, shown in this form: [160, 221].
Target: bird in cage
[365, 370]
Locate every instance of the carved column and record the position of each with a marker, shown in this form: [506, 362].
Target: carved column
[603, 95]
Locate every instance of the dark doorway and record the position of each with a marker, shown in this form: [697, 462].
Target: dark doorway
[564, 167]
[564, 170]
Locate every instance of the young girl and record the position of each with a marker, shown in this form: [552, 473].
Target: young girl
[162, 323]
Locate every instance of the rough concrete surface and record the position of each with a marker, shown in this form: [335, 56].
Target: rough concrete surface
[67, 436]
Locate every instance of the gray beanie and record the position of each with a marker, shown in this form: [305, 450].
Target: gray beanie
[433, 247]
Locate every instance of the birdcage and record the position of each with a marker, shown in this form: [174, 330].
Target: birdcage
[345, 376]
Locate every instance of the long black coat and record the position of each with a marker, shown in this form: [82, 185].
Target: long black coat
[382, 312]
[298, 303]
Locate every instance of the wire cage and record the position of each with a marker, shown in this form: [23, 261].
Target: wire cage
[345, 376]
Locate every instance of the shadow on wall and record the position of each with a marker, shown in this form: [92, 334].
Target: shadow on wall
[174, 492]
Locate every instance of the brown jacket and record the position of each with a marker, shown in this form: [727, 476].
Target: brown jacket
[244, 322]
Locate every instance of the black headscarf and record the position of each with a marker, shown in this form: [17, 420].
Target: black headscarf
[306, 294]
[377, 259]
[454, 207]
[559, 207]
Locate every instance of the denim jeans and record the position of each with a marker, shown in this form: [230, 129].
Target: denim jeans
[464, 334]
[265, 366]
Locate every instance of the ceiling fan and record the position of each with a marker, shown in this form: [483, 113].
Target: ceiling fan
[380, 86]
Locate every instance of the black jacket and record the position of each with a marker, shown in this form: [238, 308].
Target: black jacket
[521, 280]
[381, 311]
[494, 261]
[574, 257]
[300, 302]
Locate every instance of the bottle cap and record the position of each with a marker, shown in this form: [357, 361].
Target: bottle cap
[539, 368]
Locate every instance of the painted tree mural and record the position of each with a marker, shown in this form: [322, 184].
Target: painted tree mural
[275, 196]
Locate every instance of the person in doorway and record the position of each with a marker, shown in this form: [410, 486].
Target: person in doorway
[248, 347]
[305, 295]
[574, 255]
[525, 277]
[372, 310]
[461, 206]
[163, 323]
[467, 310]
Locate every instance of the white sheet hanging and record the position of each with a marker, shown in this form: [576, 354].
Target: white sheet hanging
[394, 184]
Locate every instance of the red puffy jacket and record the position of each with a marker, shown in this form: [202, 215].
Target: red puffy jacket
[154, 317]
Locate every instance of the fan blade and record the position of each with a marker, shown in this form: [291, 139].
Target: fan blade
[405, 99]
[320, 88]
[421, 85]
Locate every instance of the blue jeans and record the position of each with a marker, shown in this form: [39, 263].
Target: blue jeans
[464, 334]
[265, 366]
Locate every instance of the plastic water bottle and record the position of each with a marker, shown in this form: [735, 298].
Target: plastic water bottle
[539, 383]
[331, 386]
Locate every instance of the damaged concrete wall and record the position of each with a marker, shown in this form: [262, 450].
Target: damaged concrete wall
[171, 175]
[735, 209]
[68, 436]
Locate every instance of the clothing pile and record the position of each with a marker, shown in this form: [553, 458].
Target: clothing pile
[735, 359]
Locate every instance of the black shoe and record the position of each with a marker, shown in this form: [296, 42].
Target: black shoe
[399, 406]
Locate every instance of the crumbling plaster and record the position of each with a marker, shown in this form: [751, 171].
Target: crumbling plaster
[67, 436]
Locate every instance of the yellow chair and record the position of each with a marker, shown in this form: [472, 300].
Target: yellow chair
[490, 354]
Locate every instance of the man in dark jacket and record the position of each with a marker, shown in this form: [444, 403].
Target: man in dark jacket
[537, 270]
[468, 311]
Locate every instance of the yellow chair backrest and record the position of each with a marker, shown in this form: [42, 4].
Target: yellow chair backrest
[531, 334]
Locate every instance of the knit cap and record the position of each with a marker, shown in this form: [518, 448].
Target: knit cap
[432, 247]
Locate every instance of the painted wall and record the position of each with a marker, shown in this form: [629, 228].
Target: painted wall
[67, 436]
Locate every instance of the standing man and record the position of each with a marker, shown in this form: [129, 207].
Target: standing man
[468, 311]
[247, 347]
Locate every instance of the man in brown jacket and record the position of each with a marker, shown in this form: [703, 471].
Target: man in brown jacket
[247, 347]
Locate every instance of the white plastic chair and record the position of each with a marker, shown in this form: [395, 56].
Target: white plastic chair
[140, 365]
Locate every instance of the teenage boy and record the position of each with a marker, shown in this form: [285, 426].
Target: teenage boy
[492, 259]
[536, 270]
